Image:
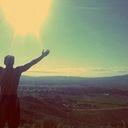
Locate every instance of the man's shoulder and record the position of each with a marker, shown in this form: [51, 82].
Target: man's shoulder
[19, 69]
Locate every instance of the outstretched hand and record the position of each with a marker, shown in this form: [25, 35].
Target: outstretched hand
[45, 52]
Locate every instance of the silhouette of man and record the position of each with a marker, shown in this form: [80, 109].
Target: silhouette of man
[9, 80]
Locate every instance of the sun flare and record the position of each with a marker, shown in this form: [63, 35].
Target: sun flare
[26, 16]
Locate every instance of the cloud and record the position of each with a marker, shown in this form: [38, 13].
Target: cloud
[111, 70]
[63, 71]
[90, 8]
[76, 71]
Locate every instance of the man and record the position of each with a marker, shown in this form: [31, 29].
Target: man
[9, 80]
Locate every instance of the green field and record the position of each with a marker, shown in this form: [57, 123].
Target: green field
[73, 107]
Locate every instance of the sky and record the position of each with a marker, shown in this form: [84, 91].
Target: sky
[86, 37]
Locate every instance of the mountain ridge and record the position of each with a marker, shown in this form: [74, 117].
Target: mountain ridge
[121, 80]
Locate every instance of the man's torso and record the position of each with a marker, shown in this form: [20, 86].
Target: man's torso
[9, 80]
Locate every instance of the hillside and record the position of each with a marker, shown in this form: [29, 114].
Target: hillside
[115, 81]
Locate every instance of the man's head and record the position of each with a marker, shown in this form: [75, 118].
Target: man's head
[9, 60]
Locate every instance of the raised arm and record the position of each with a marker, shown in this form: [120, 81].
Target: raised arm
[33, 62]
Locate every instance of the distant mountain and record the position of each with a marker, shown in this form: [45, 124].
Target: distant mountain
[114, 81]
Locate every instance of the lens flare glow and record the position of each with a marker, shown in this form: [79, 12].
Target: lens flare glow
[26, 16]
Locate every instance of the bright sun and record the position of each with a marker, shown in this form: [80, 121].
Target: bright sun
[26, 16]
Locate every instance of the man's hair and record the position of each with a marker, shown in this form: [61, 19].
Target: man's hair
[9, 60]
